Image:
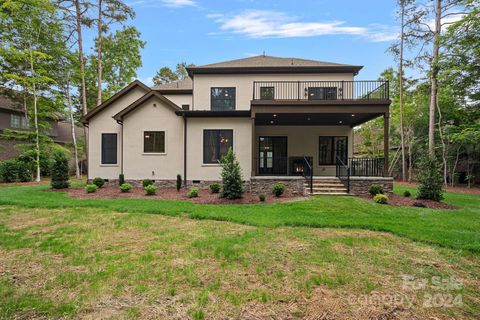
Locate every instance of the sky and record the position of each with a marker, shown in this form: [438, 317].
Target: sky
[206, 31]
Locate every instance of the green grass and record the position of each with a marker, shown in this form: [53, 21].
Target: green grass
[458, 229]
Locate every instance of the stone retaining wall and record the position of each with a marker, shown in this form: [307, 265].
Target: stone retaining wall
[265, 185]
[360, 185]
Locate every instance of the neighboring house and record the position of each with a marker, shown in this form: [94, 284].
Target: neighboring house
[285, 118]
[13, 117]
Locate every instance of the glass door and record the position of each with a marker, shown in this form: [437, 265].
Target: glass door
[272, 155]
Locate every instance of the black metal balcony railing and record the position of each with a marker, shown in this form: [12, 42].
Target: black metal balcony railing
[320, 90]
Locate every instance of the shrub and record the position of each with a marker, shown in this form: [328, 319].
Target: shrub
[121, 179]
[193, 193]
[9, 171]
[126, 187]
[261, 197]
[278, 189]
[375, 189]
[59, 171]
[231, 176]
[430, 178]
[24, 173]
[99, 182]
[380, 198]
[150, 190]
[147, 182]
[406, 193]
[179, 182]
[215, 188]
[91, 188]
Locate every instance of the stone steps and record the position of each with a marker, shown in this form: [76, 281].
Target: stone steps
[327, 186]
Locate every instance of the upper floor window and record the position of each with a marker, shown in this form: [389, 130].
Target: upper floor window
[322, 93]
[154, 142]
[267, 93]
[18, 121]
[222, 99]
[216, 144]
[109, 148]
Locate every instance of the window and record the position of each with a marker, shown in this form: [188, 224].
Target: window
[322, 93]
[267, 93]
[330, 148]
[216, 144]
[16, 121]
[222, 99]
[154, 142]
[109, 148]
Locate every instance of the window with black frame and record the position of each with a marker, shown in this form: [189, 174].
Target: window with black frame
[216, 144]
[222, 99]
[154, 142]
[109, 148]
[322, 93]
[330, 148]
[267, 93]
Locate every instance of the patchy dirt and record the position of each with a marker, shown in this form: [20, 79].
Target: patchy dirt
[396, 200]
[457, 189]
[204, 196]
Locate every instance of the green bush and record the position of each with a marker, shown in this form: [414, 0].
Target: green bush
[232, 181]
[380, 198]
[9, 171]
[121, 179]
[375, 189]
[91, 188]
[261, 197]
[59, 171]
[430, 178]
[215, 188]
[99, 182]
[179, 182]
[278, 189]
[406, 193]
[193, 193]
[24, 173]
[126, 187]
[150, 190]
[146, 182]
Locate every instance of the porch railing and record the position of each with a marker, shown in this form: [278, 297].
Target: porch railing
[320, 90]
[366, 167]
[343, 173]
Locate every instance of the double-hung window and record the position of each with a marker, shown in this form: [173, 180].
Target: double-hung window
[331, 148]
[216, 144]
[154, 142]
[109, 148]
[222, 99]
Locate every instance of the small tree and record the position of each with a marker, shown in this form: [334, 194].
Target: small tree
[231, 176]
[59, 171]
[430, 178]
[179, 182]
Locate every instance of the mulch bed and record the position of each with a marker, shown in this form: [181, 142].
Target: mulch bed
[396, 200]
[204, 196]
[457, 189]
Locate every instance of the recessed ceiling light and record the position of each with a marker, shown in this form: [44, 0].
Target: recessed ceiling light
[353, 115]
[274, 115]
[340, 121]
[271, 122]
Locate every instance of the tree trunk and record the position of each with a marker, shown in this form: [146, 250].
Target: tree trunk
[410, 163]
[444, 147]
[25, 107]
[434, 78]
[400, 76]
[99, 54]
[35, 116]
[455, 164]
[74, 138]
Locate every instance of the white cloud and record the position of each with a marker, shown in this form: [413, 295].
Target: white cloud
[179, 3]
[164, 3]
[274, 24]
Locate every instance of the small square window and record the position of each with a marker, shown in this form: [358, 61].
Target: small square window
[16, 121]
[267, 93]
[154, 142]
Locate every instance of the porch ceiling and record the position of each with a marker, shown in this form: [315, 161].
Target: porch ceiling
[314, 119]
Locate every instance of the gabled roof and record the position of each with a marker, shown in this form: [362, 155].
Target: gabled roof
[119, 116]
[269, 64]
[182, 86]
[112, 99]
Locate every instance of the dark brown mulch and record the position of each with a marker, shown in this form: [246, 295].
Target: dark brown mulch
[396, 200]
[457, 189]
[204, 196]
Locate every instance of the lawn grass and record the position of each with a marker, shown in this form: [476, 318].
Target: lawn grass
[457, 229]
[96, 263]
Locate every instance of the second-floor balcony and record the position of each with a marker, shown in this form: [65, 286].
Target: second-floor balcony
[320, 90]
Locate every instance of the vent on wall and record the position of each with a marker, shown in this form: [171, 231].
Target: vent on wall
[185, 106]
[195, 181]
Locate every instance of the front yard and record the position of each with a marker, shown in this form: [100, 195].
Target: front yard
[325, 257]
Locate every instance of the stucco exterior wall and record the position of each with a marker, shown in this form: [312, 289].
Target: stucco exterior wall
[242, 141]
[104, 123]
[138, 165]
[304, 141]
[180, 99]
[244, 85]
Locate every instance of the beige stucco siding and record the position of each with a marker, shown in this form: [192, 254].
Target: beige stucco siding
[180, 99]
[304, 141]
[242, 141]
[104, 123]
[244, 85]
[153, 115]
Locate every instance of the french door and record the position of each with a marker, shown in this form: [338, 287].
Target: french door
[272, 155]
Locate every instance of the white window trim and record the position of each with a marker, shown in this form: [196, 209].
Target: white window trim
[154, 153]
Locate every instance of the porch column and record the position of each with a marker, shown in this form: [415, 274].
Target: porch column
[386, 148]
[253, 173]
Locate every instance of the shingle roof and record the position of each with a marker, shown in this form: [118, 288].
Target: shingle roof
[270, 61]
[185, 84]
[6, 101]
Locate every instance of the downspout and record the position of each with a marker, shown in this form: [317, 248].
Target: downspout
[121, 146]
[184, 150]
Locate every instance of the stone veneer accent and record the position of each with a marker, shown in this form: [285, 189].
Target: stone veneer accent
[360, 185]
[265, 184]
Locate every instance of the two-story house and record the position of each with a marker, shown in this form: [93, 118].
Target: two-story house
[287, 119]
